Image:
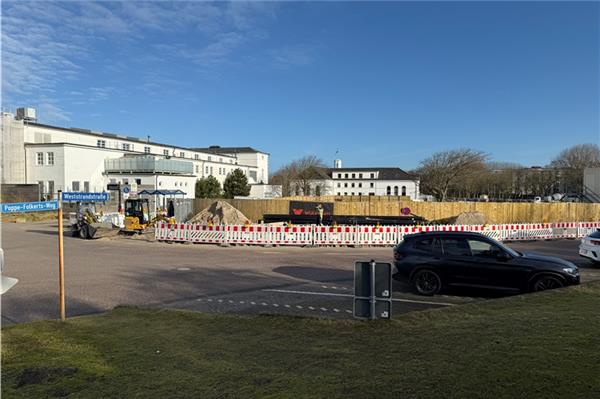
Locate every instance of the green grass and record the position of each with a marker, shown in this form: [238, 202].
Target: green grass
[541, 345]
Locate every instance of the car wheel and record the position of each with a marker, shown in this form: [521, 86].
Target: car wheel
[544, 283]
[427, 282]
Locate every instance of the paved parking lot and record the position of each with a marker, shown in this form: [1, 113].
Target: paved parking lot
[102, 274]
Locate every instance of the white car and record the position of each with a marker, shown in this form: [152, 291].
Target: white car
[590, 247]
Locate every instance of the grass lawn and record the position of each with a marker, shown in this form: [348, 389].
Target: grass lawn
[541, 345]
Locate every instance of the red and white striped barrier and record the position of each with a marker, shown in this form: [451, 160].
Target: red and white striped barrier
[358, 235]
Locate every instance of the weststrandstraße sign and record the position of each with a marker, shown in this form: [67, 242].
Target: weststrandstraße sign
[21, 207]
[83, 197]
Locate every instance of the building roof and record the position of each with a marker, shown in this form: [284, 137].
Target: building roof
[384, 173]
[216, 149]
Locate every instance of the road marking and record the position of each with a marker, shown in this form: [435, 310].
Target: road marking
[183, 269]
[219, 300]
[199, 299]
[264, 303]
[351, 296]
[324, 309]
[276, 305]
[336, 310]
[209, 300]
[287, 306]
[348, 311]
[253, 303]
[311, 308]
[230, 301]
[242, 302]
[299, 307]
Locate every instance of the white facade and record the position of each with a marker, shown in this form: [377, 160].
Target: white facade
[73, 159]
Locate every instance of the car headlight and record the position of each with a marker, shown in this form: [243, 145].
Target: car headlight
[570, 270]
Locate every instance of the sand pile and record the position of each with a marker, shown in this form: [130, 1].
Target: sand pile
[471, 218]
[220, 212]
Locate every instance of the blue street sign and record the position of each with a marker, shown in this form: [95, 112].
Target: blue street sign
[20, 207]
[126, 190]
[85, 197]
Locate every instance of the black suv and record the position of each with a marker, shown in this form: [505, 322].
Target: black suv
[431, 261]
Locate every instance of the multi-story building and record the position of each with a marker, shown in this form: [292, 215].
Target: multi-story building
[72, 159]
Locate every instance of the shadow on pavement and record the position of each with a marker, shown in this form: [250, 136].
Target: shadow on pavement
[315, 273]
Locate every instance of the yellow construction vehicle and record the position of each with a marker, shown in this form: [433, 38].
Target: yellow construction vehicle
[137, 216]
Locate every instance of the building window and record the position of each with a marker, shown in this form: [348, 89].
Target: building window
[166, 152]
[359, 194]
[86, 186]
[351, 193]
[147, 150]
[126, 146]
[372, 175]
[339, 184]
[345, 184]
[39, 159]
[196, 156]
[339, 193]
[175, 184]
[372, 184]
[354, 175]
[371, 193]
[404, 190]
[206, 170]
[346, 175]
[359, 184]
[211, 170]
[75, 186]
[50, 189]
[395, 190]
[360, 175]
[182, 154]
[352, 184]
[101, 143]
[220, 159]
[197, 169]
[209, 158]
[389, 190]
[50, 158]
[345, 193]
[138, 181]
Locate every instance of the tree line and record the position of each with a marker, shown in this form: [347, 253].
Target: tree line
[235, 184]
[466, 174]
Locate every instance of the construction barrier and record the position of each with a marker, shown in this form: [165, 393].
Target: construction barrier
[358, 235]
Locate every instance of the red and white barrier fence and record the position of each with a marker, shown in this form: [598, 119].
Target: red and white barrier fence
[358, 235]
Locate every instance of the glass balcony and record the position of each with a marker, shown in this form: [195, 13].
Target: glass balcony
[148, 164]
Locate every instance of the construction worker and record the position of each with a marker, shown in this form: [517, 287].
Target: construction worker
[320, 211]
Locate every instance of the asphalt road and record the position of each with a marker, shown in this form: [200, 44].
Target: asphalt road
[102, 274]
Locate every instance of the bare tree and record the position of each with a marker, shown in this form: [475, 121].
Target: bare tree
[445, 170]
[571, 163]
[298, 177]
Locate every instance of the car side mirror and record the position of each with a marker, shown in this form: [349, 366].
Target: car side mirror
[503, 256]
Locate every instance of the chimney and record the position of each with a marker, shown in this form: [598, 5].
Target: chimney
[337, 163]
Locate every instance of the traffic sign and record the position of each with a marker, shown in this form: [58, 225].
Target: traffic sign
[112, 186]
[84, 197]
[372, 290]
[126, 190]
[20, 207]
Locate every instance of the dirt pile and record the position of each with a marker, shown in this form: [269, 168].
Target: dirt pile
[466, 218]
[220, 212]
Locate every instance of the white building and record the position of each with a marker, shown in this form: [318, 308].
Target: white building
[72, 159]
[365, 181]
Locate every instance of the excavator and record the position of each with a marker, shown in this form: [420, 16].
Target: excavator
[137, 216]
[85, 223]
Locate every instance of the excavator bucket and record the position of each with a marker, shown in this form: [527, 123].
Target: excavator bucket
[101, 230]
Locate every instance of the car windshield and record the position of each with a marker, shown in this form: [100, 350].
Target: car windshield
[511, 251]
[595, 234]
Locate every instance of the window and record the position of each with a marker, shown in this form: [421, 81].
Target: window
[346, 175]
[371, 193]
[359, 184]
[138, 181]
[351, 193]
[39, 158]
[175, 184]
[389, 190]
[424, 245]
[220, 159]
[147, 150]
[352, 184]
[75, 186]
[101, 143]
[211, 170]
[86, 186]
[482, 249]
[395, 190]
[339, 184]
[404, 190]
[209, 158]
[372, 184]
[360, 175]
[354, 175]
[126, 146]
[206, 170]
[51, 188]
[456, 247]
[372, 175]
[182, 154]
[50, 158]
[318, 191]
[345, 193]
[345, 184]
[41, 188]
[359, 194]
[339, 193]
[197, 169]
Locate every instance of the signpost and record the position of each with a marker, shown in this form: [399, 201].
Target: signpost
[372, 290]
[61, 270]
[20, 207]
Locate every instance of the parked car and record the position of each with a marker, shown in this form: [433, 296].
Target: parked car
[434, 260]
[590, 247]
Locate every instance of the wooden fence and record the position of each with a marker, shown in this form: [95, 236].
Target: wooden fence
[496, 212]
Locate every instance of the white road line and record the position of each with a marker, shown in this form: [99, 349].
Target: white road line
[311, 308]
[253, 303]
[230, 301]
[350, 296]
[275, 305]
[287, 306]
[348, 311]
[209, 300]
[199, 299]
[336, 310]
[264, 303]
[219, 300]
[324, 309]
[299, 307]
[242, 302]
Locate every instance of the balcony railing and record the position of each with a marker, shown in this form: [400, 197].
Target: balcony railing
[148, 164]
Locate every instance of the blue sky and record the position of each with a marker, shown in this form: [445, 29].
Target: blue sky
[385, 83]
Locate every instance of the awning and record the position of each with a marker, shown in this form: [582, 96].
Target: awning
[161, 192]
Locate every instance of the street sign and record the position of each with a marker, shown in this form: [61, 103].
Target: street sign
[372, 290]
[20, 207]
[112, 186]
[85, 197]
[126, 190]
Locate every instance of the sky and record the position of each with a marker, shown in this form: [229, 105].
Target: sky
[371, 83]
